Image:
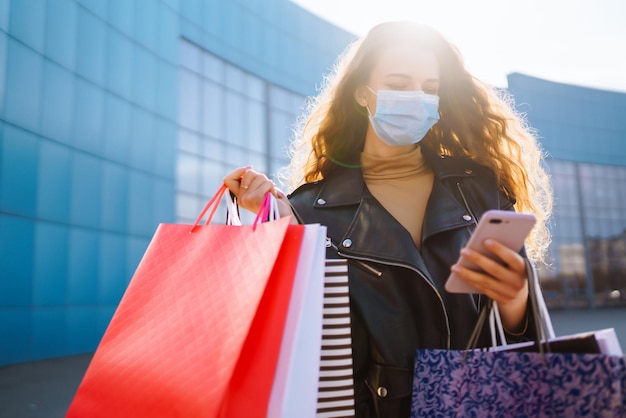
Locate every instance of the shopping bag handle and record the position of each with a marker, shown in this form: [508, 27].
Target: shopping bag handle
[267, 212]
[544, 329]
[214, 204]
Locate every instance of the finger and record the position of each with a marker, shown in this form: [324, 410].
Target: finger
[278, 193]
[252, 197]
[495, 276]
[233, 179]
[490, 266]
[507, 256]
[256, 182]
[503, 262]
[485, 283]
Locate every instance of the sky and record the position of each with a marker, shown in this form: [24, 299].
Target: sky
[581, 42]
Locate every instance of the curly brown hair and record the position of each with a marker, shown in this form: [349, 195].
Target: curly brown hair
[476, 121]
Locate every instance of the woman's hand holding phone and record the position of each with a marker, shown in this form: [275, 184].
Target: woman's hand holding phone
[491, 264]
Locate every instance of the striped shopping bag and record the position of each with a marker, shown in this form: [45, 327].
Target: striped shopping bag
[336, 383]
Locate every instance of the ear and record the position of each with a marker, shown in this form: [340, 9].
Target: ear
[360, 96]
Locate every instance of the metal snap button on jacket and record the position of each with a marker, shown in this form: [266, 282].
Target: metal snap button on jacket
[321, 201]
[382, 392]
[347, 243]
[467, 217]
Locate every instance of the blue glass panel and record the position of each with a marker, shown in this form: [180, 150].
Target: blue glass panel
[212, 173]
[112, 278]
[142, 143]
[166, 98]
[98, 7]
[252, 39]
[122, 15]
[3, 67]
[14, 327]
[56, 104]
[140, 218]
[231, 12]
[214, 21]
[16, 261]
[192, 10]
[165, 149]
[188, 173]
[23, 85]
[189, 108]
[82, 335]
[89, 113]
[191, 57]
[213, 110]
[53, 186]
[168, 34]
[116, 133]
[114, 197]
[174, 4]
[86, 190]
[119, 64]
[164, 199]
[61, 17]
[18, 171]
[48, 333]
[91, 47]
[146, 24]
[144, 78]
[235, 113]
[5, 7]
[83, 267]
[50, 266]
[27, 22]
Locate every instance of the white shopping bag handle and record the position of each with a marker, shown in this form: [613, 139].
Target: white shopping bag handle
[232, 217]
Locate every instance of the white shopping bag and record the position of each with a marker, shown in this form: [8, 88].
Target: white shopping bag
[294, 393]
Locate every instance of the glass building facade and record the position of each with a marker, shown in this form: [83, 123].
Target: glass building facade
[583, 132]
[117, 115]
[228, 118]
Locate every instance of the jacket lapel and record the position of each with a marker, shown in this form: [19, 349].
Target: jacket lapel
[446, 210]
[372, 232]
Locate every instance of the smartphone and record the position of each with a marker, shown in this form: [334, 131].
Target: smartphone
[508, 228]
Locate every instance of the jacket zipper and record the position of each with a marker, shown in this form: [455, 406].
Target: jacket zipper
[378, 273]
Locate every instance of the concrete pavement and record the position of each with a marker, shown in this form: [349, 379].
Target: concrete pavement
[40, 389]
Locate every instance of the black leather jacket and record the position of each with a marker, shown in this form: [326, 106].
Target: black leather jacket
[397, 298]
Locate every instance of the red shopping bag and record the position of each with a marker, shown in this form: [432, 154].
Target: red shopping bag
[204, 302]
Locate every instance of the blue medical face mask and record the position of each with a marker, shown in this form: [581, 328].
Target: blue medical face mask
[403, 117]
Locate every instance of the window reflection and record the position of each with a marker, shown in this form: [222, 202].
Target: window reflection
[227, 118]
[588, 250]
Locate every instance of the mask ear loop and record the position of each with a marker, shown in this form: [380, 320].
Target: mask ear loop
[369, 113]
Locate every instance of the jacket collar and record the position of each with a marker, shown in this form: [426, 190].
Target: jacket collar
[445, 211]
[348, 186]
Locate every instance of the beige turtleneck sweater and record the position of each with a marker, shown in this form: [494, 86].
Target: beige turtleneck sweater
[402, 184]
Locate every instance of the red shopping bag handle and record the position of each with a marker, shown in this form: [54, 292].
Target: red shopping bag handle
[261, 216]
[213, 202]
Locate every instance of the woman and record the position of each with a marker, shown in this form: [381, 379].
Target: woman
[404, 152]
